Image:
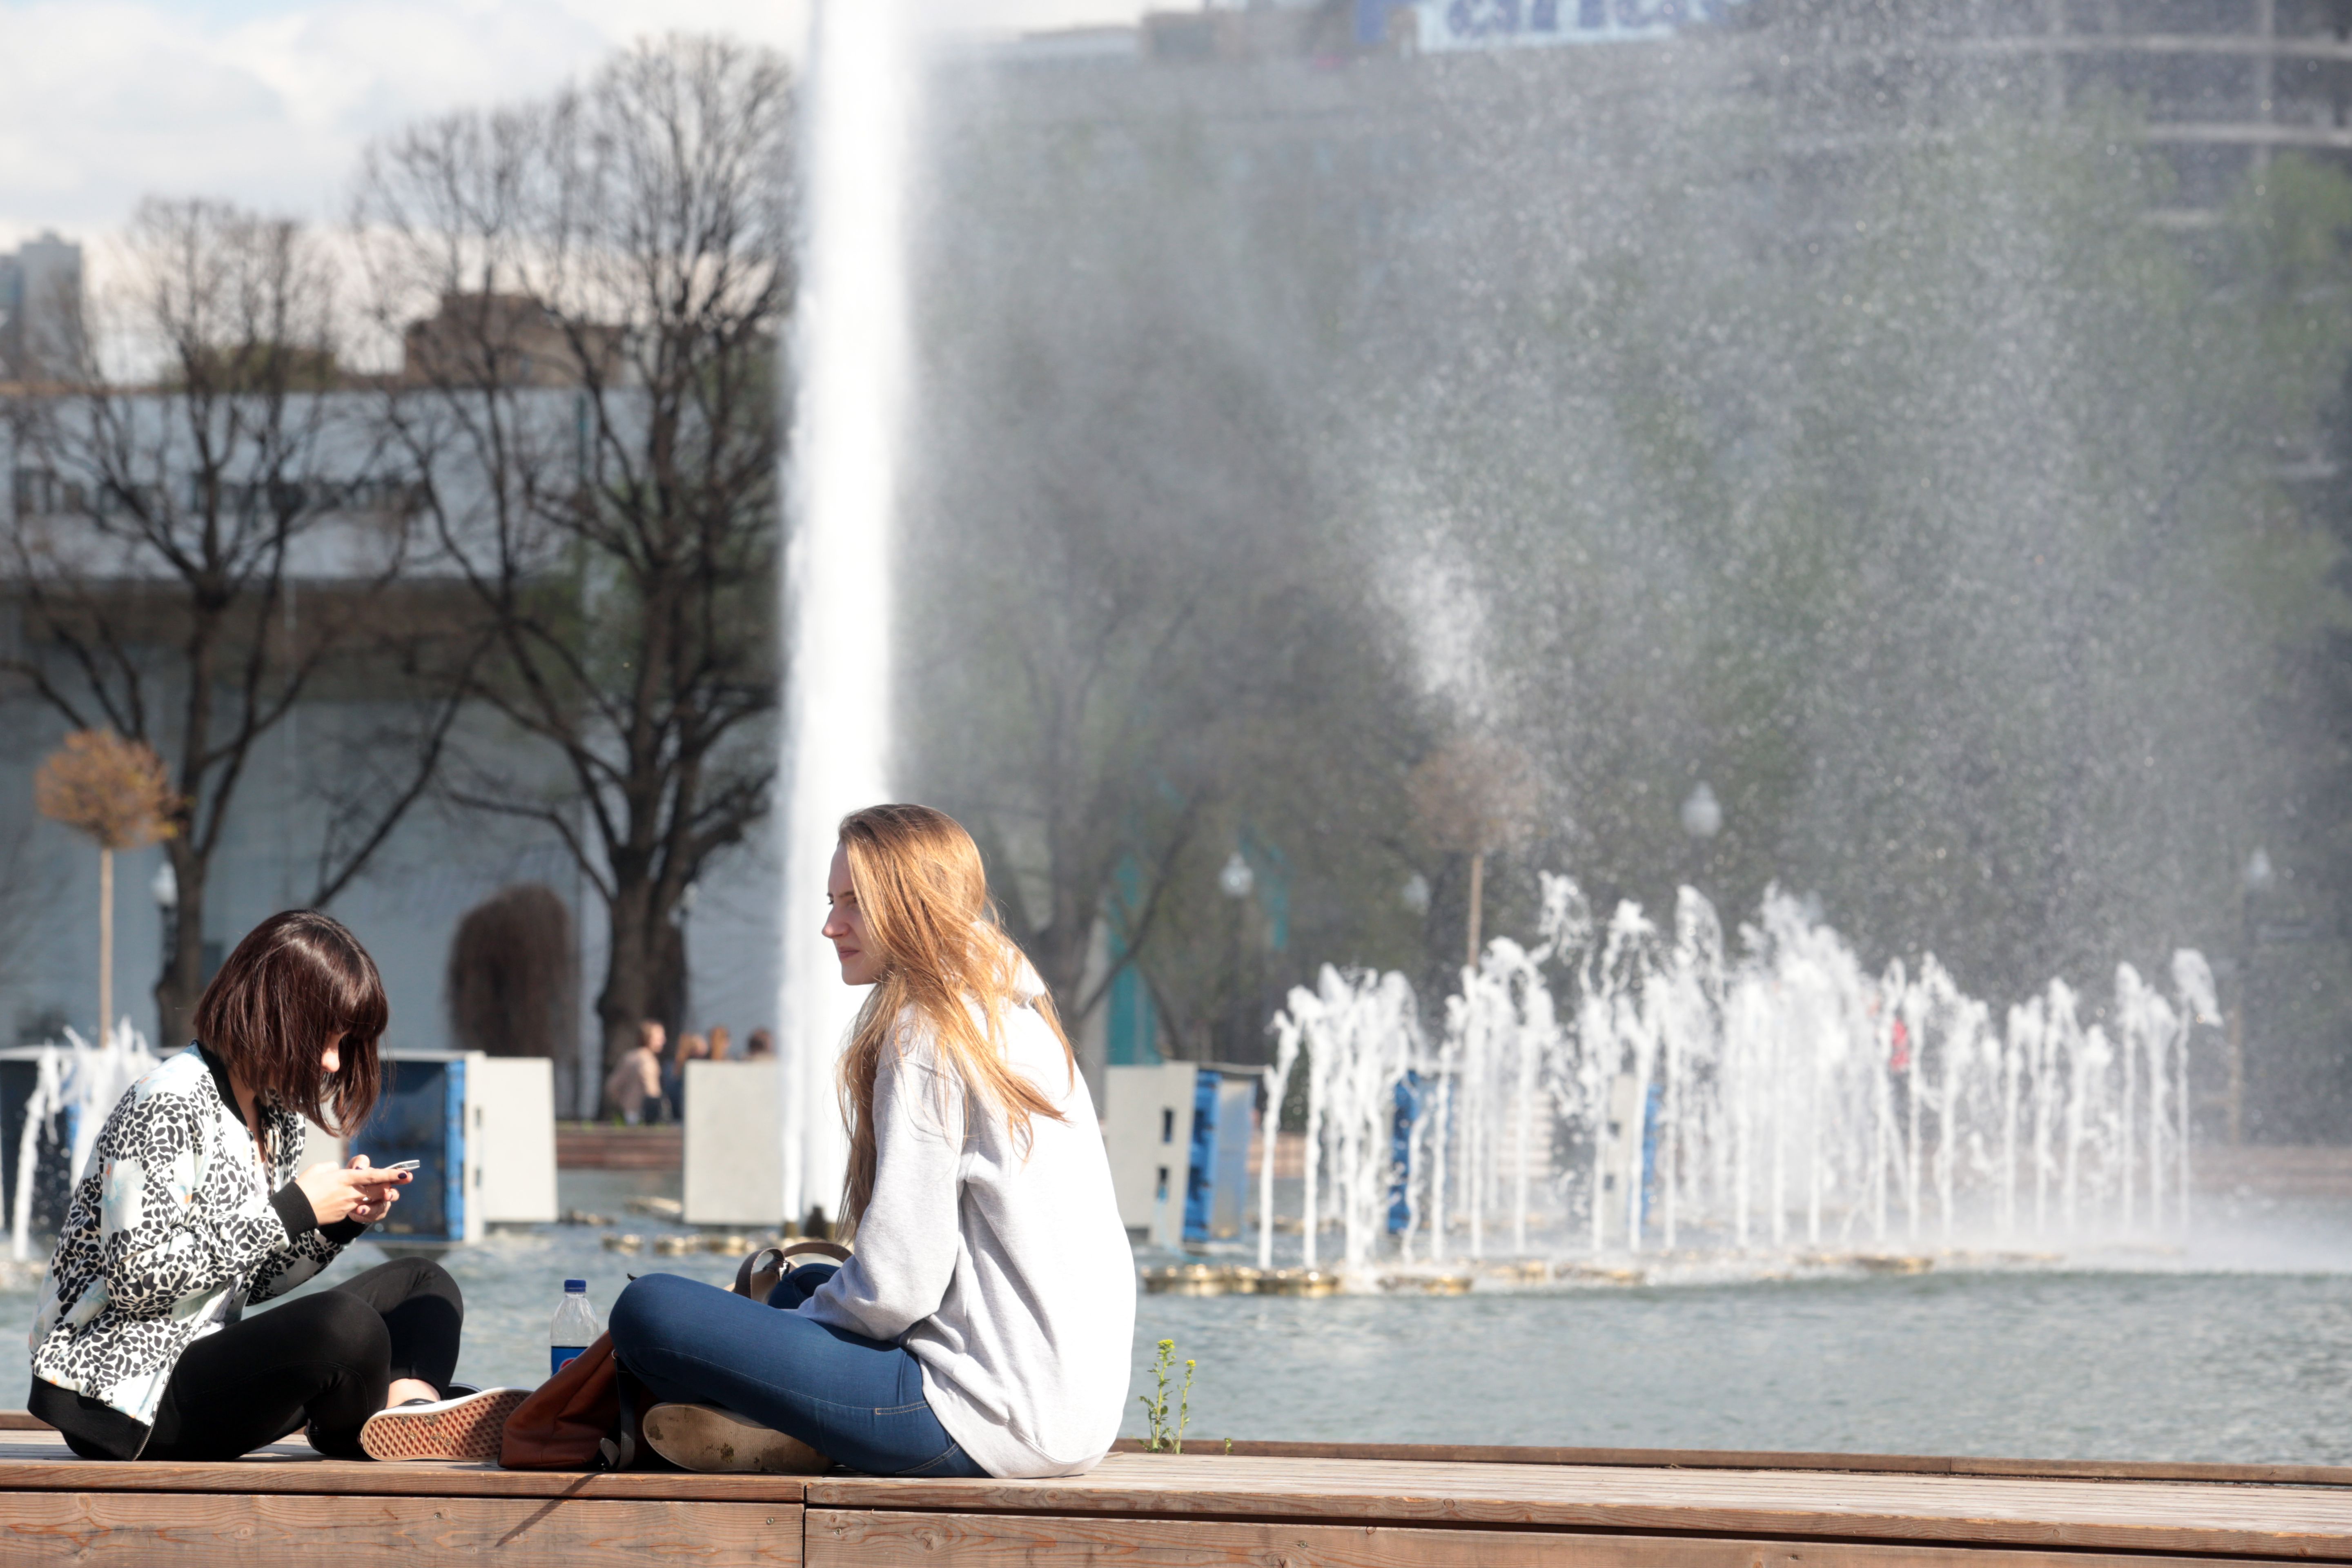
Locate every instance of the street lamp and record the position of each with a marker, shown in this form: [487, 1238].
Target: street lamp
[165, 889]
[1236, 879]
[1415, 893]
[1703, 819]
[1702, 813]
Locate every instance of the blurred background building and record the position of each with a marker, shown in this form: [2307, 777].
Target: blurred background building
[40, 307]
[486, 930]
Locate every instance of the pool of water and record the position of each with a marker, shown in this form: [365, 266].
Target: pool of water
[2238, 1348]
[2074, 1366]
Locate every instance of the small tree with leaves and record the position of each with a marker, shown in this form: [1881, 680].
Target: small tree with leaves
[1473, 797]
[119, 795]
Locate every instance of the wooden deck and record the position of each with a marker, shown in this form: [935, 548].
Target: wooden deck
[1265, 1505]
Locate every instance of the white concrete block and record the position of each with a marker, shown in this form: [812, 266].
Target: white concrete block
[510, 1141]
[734, 1156]
[1148, 1129]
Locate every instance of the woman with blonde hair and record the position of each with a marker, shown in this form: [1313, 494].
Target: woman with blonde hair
[985, 1324]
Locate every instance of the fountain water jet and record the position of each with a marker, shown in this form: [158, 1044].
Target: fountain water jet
[81, 1082]
[850, 354]
[1703, 1087]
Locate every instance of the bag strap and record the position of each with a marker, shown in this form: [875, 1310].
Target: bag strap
[757, 1275]
[619, 1451]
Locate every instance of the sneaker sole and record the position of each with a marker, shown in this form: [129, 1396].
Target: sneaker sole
[699, 1437]
[461, 1429]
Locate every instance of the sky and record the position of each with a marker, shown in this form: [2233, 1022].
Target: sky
[268, 102]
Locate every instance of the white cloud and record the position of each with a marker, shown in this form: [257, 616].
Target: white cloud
[103, 101]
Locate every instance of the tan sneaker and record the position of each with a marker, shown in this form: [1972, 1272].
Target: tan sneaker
[467, 1427]
[707, 1438]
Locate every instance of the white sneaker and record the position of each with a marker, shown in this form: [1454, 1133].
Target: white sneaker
[705, 1438]
[469, 1426]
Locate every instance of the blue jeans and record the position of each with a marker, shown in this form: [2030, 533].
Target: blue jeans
[857, 1400]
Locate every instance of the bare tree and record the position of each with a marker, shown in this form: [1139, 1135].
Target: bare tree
[162, 521]
[593, 415]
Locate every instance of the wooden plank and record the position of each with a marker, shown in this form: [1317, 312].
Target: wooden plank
[1770, 1459]
[855, 1539]
[140, 1531]
[591, 1146]
[30, 1464]
[1711, 1460]
[2082, 1515]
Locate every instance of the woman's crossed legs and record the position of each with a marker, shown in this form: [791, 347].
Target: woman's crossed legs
[857, 1400]
[326, 1360]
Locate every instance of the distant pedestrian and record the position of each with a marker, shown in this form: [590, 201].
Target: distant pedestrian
[760, 1047]
[634, 1085]
[690, 1049]
[721, 1042]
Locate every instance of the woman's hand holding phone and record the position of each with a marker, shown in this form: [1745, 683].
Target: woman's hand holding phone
[358, 1191]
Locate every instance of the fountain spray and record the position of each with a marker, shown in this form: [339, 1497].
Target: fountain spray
[849, 350]
[1709, 1090]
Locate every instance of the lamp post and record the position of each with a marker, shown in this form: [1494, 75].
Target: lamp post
[2256, 878]
[1702, 820]
[685, 897]
[1702, 816]
[1237, 881]
[165, 890]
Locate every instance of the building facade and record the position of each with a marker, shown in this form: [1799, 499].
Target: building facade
[331, 758]
[40, 307]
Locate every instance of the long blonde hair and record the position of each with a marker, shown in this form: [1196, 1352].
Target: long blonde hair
[924, 895]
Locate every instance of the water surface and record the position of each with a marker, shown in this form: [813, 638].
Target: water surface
[2237, 1349]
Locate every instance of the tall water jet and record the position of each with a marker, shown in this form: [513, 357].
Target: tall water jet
[850, 352]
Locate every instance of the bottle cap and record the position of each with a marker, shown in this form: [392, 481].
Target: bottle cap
[575, 1286]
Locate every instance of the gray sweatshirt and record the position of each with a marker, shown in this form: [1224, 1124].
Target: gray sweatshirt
[1003, 1267]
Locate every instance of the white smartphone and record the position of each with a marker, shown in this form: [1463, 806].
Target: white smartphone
[404, 1165]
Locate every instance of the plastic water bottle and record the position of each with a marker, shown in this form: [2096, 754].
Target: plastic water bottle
[575, 1327]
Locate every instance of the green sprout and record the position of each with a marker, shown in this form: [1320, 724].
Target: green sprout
[1184, 1406]
[1164, 1439]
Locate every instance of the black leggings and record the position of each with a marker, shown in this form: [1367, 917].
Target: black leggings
[324, 1361]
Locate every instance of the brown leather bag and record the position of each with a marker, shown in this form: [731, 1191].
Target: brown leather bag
[582, 1418]
[590, 1415]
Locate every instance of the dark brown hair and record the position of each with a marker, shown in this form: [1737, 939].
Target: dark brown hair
[297, 981]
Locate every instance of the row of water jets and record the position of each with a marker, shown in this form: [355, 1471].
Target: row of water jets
[1619, 1087]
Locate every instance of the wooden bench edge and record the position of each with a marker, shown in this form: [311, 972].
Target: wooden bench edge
[1768, 1459]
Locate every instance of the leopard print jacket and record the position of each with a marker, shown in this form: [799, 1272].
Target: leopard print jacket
[169, 1233]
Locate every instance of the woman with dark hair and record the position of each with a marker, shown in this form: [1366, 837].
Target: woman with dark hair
[193, 1209]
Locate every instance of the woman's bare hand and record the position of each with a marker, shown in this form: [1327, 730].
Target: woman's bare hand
[356, 1192]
